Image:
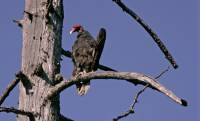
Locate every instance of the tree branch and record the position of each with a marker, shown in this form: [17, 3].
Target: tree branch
[17, 111]
[19, 23]
[102, 67]
[132, 77]
[63, 118]
[10, 87]
[131, 109]
[149, 30]
[106, 68]
[18, 77]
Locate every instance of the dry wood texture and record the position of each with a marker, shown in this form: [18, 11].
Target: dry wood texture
[41, 52]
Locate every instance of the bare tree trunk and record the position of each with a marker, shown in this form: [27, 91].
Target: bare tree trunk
[41, 52]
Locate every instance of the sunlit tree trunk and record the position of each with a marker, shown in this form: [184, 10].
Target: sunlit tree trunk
[42, 29]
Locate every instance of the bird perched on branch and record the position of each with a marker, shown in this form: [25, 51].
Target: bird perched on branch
[86, 53]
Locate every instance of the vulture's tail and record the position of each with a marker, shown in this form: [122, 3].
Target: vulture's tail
[82, 88]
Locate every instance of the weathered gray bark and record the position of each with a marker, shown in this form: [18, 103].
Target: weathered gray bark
[41, 52]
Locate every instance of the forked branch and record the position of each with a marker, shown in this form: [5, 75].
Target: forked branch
[132, 77]
[135, 100]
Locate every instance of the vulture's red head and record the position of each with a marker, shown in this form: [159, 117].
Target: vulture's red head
[76, 28]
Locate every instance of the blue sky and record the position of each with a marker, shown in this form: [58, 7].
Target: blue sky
[128, 48]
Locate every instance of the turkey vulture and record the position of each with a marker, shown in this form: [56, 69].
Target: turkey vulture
[86, 53]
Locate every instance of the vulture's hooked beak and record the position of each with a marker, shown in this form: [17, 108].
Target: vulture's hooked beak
[71, 31]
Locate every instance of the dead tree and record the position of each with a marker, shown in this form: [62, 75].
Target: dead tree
[42, 30]
[40, 83]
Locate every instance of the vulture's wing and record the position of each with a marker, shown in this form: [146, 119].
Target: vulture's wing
[101, 37]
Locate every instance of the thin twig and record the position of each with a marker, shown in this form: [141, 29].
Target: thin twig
[19, 23]
[163, 72]
[131, 110]
[137, 96]
[102, 67]
[17, 111]
[149, 30]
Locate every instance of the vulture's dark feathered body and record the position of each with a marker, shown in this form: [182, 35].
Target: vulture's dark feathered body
[86, 53]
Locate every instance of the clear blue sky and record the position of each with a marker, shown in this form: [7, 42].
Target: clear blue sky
[128, 48]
